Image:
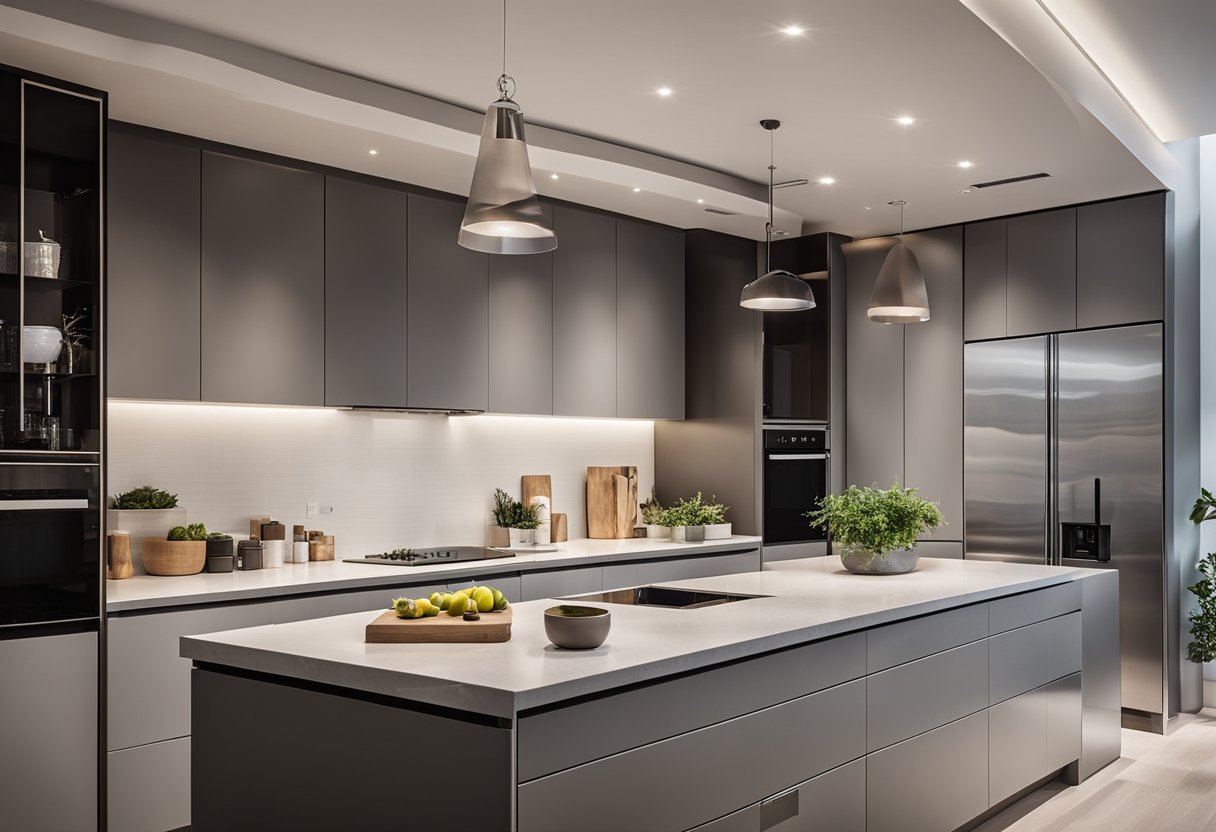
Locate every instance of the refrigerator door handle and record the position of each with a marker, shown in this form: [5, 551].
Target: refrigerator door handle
[1054, 555]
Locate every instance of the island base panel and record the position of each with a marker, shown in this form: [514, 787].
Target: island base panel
[272, 755]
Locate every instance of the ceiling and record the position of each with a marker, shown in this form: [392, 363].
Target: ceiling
[592, 69]
[1158, 54]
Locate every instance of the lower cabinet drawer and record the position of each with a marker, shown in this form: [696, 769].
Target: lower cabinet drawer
[925, 694]
[1032, 656]
[1063, 721]
[1020, 610]
[1017, 744]
[560, 582]
[931, 783]
[694, 778]
[341, 603]
[620, 575]
[149, 787]
[831, 802]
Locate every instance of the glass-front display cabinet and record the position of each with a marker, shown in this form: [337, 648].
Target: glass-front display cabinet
[52, 267]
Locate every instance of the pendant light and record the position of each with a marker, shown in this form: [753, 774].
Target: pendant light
[899, 295]
[503, 214]
[776, 290]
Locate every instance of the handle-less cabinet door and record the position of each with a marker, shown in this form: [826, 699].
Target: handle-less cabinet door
[933, 381]
[1121, 261]
[984, 278]
[263, 295]
[447, 332]
[1042, 273]
[521, 333]
[48, 734]
[365, 295]
[584, 313]
[154, 268]
[649, 321]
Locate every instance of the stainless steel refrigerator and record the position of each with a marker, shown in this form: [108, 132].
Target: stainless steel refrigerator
[1046, 417]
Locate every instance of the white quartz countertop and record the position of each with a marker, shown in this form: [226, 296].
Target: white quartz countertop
[810, 599]
[149, 591]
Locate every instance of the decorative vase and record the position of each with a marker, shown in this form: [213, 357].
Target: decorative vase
[717, 531]
[143, 523]
[865, 562]
[521, 537]
[657, 532]
[498, 537]
[677, 534]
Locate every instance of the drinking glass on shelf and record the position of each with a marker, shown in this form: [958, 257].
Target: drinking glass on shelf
[50, 432]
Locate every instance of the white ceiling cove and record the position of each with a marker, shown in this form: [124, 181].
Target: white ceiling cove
[591, 69]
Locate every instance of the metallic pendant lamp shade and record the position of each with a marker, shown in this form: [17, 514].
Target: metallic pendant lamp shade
[777, 290]
[899, 295]
[503, 214]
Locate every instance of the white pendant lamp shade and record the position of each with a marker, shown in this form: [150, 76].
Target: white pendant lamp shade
[777, 291]
[899, 295]
[503, 214]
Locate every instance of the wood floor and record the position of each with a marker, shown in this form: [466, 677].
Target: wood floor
[1161, 784]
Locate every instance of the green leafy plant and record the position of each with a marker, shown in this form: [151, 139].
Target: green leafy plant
[145, 497]
[652, 510]
[504, 508]
[692, 511]
[874, 520]
[1202, 648]
[219, 536]
[195, 531]
[527, 517]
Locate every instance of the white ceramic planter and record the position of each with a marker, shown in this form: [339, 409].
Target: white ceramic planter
[656, 532]
[688, 534]
[718, 531]
[498, 537]
[522, 537]
[141, 523]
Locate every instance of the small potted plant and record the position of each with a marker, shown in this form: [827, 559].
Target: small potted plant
[72, 358]
[498, 532]
[714, 515]
[652, 518]
[687, 520]
[183, 551]
[144, 512]
[524, 525]
[876, 529]
[1202, 648]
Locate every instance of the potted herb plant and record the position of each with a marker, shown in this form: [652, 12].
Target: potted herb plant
[652, 518]
[1202, 648]
[144, 512]
[876, 529]
[503, 512]
[714, 515]
[524, 525]
[687, 519]
[183, 551]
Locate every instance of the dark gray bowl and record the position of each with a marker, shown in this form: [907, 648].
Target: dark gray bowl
[577, 628]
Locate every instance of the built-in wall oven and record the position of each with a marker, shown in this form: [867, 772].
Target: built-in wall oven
[796, 478]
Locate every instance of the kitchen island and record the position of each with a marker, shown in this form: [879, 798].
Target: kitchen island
[831, 701]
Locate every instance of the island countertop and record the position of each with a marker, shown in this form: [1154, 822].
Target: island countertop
[807, 600]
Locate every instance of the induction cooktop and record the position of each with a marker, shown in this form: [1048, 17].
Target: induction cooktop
[437, 554]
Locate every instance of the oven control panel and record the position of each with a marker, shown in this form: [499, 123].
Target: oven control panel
[795, 440]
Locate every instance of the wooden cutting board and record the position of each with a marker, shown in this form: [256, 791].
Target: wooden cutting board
[536, 485]
[492, 627]
[612, 501]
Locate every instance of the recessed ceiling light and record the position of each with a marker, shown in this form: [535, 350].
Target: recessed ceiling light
[966, 163]
[637, 190]
[700, 202]
[906, 121]
[827, 180]
[553, 176]
[868, 208]
[664, 91]
[373, 152]
[793, 30]
[965, 191]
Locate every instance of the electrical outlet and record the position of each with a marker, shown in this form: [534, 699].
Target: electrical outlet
[327, 509]
[310, 510]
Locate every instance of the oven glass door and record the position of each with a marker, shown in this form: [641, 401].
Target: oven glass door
[794, 483]
[50, 544]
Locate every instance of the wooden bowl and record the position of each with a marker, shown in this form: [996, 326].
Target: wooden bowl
[174, 557]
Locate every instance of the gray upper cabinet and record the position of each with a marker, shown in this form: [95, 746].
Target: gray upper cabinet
[263, 284]
[584, 313]
[1121, 261]
[365, 294]
[933, 381]
[1042, 273]
[649, 321]
[447, 331]
[984, 270]
[521, 333]
[154, 268]
[874, 376]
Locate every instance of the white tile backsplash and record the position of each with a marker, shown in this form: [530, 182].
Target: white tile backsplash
[393, 479]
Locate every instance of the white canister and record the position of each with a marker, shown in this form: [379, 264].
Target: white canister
[273, 553]
[544, 532]
[299, 551]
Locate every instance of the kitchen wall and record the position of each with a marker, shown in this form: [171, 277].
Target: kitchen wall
[1207, 355]
[393, 479]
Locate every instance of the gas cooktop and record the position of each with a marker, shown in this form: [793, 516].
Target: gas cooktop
[438, 554]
